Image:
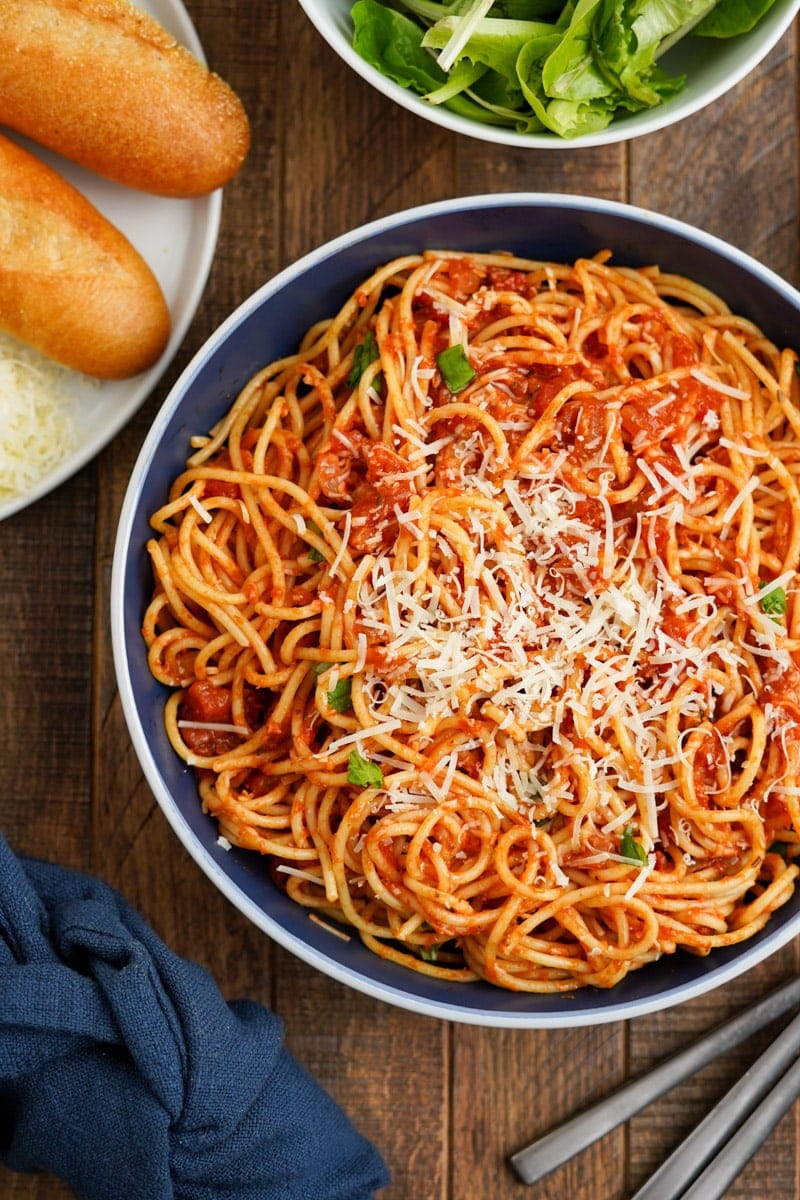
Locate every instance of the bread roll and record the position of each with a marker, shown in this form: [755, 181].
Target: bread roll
[71, 284]
[103, 84]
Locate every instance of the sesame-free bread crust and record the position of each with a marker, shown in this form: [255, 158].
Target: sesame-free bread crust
[71, 284]
[103, 84]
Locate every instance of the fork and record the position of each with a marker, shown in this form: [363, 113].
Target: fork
[700, 1163]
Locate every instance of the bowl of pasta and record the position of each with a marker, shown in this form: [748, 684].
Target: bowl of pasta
[541, 74]
[455, 610]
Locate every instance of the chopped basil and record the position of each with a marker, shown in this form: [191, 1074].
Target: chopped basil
[455, 367]
[631, 849]
[774, 603]
[362, 772]
[365, 353]
[339, 696]
[313, 553]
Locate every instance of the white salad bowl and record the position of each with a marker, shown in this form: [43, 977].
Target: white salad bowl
[711, 67]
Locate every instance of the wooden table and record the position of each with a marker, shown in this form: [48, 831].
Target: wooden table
[444, 1103]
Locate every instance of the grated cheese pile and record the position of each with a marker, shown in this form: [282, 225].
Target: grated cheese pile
[533, 639]
[37, 427]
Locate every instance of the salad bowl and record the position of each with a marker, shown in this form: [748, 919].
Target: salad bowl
[585, 74]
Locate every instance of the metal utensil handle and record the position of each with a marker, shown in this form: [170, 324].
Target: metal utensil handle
[684, 1165]
[566, 1140]
[728, 1164]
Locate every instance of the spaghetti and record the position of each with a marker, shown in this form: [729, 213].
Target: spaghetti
[480, 619]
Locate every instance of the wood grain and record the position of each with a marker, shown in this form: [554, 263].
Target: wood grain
[445, 1103]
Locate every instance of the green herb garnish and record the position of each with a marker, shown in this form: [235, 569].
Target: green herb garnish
[631, 849]
[313, 553]
[363, 773]
[455, 367]
[774, 602]
[365, 353]
[339, 697]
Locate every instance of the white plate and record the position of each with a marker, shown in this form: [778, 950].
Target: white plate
[177, 239]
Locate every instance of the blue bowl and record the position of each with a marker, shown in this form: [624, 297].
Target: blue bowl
[270, 324]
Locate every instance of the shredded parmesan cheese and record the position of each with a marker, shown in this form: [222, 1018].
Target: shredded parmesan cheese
[37, 426]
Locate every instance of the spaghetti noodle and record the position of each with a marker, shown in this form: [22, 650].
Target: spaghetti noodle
[479, 616]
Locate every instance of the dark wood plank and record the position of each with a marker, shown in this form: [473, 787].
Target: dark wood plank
[46, 573]
[540, 1077]
[350, 154]
[46, 570]
[593, 171]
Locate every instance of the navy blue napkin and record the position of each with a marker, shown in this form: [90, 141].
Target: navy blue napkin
[124, 1071]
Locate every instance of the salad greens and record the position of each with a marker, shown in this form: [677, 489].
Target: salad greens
[535, 65]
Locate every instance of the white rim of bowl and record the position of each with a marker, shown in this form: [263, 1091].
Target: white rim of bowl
[624, 1010]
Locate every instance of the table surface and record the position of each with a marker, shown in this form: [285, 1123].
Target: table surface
[444, 1103]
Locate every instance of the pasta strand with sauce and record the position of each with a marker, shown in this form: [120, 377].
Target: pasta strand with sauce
[479, 617]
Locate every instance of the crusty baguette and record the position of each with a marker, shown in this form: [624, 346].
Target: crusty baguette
[103, 84]
[71, 284]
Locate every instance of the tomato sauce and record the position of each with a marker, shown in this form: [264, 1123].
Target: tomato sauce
[209, 703]
[783, 693]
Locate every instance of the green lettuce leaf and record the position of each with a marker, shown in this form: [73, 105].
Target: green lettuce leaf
[496, 43]
[570, 72]
[627, 38]
[729, 18]
[392, 44]
[528, 10]
[463, 75]
[568, 119]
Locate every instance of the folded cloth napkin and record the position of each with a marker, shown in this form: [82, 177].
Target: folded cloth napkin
[124, 1072]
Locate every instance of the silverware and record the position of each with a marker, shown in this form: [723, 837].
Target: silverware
[684, 1168]
[563, 1142]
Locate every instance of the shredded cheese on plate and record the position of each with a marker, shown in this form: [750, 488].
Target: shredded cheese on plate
[37, 426]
